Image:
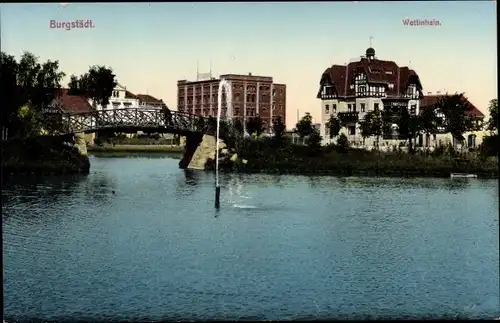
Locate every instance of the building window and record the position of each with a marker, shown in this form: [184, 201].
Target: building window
[349, 108]
[375, 107]
[274, 106]
[471, 141]
[362, 107]
[274, 92]
[334, 108]
[352, 130]
[413, 110]
[327, 109]
[362, 89]
[391, 86]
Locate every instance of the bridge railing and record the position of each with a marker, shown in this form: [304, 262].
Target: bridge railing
[152, 118]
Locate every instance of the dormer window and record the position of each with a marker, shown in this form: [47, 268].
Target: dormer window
[391, 86]
[388, 72]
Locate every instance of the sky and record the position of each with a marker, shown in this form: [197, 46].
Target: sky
[150, 46]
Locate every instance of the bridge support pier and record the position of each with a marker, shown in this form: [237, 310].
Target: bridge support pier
[190, 147]
[198, 150]
[81, 143]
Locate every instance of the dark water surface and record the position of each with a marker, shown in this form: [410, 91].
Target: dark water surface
[280, 248]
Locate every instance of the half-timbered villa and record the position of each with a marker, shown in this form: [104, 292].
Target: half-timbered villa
[350, 91]
[366, 85]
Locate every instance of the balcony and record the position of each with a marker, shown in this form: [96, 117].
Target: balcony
[348, 117]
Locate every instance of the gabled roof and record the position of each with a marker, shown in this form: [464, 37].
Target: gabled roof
[430, 100]
[72, 103]
[120, 87]
[148, 99]
[130, 95]
[376, 71]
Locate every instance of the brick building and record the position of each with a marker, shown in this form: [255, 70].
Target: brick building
[251, 95]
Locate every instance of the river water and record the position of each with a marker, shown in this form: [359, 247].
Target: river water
[140, 239]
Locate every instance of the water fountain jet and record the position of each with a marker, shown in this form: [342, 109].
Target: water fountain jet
[223, 85]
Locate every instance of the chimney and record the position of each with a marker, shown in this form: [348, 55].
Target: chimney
[429, 93]
[249, 74]
[438, 92]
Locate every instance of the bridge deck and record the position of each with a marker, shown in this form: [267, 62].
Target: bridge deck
[136, 119]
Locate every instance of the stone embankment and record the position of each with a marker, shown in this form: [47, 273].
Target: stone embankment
[205, 154]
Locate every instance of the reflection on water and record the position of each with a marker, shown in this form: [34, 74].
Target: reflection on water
[139, 239]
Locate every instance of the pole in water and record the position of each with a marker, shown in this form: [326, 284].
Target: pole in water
[217, 197]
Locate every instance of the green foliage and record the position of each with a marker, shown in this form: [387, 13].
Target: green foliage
[429, 122]
[456, 121]
[387, 121]
[376, 124]
[314, 140]
[255, 126]
[97, 84]
[28, 83]
[343, 142]
[211, 125]
[304, 127]
[333, 125]
[366, 126]
[42, 155]
[408, 127]
[279, 128]
[263, 156]
[489, 146]
[238, 128]
[492, 125]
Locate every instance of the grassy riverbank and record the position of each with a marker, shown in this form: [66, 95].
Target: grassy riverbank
[110, 148]
[42, 156]
[266, 156]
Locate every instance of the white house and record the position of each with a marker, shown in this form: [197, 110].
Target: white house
[366, 85]
[120, 99]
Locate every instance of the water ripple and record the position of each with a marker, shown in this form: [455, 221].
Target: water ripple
[138, 239]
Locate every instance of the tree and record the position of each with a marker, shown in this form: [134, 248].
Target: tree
[492, 125]
[408, 127]
[314, 140]
[31, 86]
[456, 120]
[333, 126]
[387, 122]
[8, 81]
[343, 142]
[304, 127]
[366, 126]
[429, 122]
[255, 126]
[376, 126]
[238, 127]
[212, 125]
[279, 128]
[97, 85]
